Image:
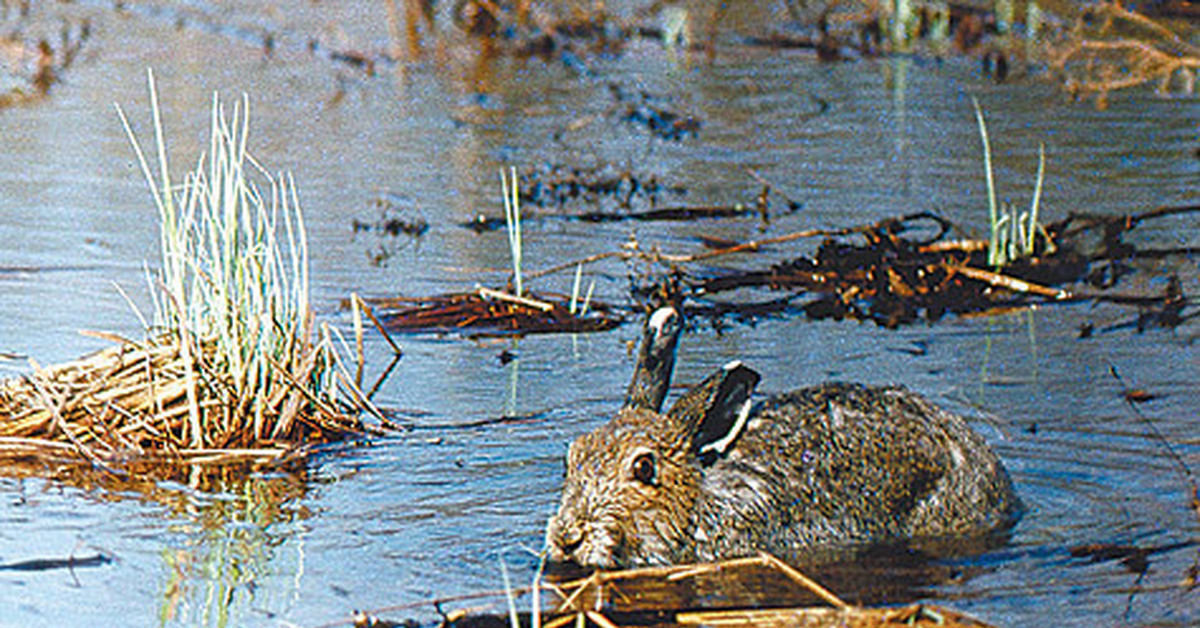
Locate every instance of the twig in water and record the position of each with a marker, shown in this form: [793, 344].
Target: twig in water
[803, 580]
[792, 203]
[580, 262]
[754, 245]
[1184, 469]
[1007, 282]
[488, 293]
[378, 325]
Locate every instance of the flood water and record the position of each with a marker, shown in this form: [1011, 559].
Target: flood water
[432, 512]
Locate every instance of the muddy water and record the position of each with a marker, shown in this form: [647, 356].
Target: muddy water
[432, 512]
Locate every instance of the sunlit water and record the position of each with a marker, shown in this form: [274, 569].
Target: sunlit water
[433, 512]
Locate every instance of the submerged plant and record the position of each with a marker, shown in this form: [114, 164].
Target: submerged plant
[1013, 234]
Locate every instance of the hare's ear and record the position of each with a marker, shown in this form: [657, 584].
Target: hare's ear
[656, 360]
[714, 413]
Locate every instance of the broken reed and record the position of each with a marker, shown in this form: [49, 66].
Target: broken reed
[233, 364]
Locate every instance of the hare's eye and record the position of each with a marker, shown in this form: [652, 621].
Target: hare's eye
[644, 470]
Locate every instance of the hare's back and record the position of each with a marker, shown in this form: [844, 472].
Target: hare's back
[882, 459]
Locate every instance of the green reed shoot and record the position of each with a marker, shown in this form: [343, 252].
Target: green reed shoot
[234, 283]
[1013, 234]
[575, 307]
[512, 221]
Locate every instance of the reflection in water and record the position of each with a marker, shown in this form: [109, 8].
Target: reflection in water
[1005, 327]
[230, 544]
[225, 550]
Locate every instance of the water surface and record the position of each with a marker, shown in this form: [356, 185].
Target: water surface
[432, 512]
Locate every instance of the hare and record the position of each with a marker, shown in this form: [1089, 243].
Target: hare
[719, 476]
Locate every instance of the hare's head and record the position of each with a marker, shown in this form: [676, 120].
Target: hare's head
[632, 484]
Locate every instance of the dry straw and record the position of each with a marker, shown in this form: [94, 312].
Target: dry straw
[234, 364]
[680, 595]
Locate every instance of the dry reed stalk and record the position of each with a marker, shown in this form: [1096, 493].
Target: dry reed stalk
[1008, 283]
[914, 615]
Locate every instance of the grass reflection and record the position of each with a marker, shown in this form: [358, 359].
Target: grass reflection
[229, 561]
[230, 533]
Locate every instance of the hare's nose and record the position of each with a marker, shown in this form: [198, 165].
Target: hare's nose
[569, 539]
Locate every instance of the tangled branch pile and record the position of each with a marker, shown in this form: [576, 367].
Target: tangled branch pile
[1112, 48]
[233, 365]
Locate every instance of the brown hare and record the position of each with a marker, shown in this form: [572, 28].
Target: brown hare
[718, 476]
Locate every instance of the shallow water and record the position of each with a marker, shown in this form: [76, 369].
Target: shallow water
[431, 512]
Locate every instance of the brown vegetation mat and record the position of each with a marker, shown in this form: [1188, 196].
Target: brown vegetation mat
[625, 590]
[489, 312]
[758, 591]
[160, 400]
[882, 272]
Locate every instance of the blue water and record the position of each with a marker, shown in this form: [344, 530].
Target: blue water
[432, 512]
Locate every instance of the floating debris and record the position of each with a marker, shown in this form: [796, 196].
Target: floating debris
[669, 596]
[643, 109]
[50, 564]
[878, 272]
[490, 312]
[612, 195]
[393, 220]
[560, 185]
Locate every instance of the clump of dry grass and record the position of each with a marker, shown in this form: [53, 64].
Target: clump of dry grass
[234, 363]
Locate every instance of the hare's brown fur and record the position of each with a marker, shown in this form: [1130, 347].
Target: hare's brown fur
[713, 478]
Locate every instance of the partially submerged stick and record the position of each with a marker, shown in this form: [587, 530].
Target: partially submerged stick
[1007, 282]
